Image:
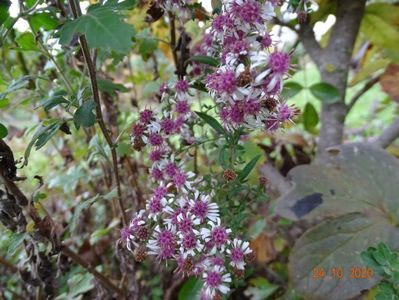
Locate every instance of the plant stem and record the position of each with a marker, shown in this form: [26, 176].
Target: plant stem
[76, 258]
[96, 96]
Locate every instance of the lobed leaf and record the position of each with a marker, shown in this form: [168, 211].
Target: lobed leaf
[103, 26]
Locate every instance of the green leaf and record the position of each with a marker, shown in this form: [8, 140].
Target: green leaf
[107, 86]
[379, 25]
[99, 233]
[3, 131]
[104, 28]
[190, 289]
[4, 103]
[26, 41]
[383, 260]
[291, 89]
[207, 60]
[146, 43]
[42, 135]
[15, 85]
[257, 228]
[361, 178]
[4, 6]
[248, 168]
[336, 244]
[47, 135]
[43, 20]
[325, 92]
[310, 118]
[84, 114]
[211, 121]
[15, 241]
[80, 284]
[260, 289]
[224, 157]
[357, 193]
[199, 86]
[55, 99]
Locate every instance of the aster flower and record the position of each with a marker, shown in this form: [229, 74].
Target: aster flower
[157, 206]
[215, 280]
[163, 244]
[217, 236]
[237, 253]
[190, 245]
[203, 208]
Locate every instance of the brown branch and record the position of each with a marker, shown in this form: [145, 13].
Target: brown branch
[277, 181]
[8, 265]
[334, 64]
[75, 6]
[173, 39]
[308, 40]
[390, 134]
[368, 85]
[64, 249]
[104, 280]
[279, 22]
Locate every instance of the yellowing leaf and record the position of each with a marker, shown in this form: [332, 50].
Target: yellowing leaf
[378, 27]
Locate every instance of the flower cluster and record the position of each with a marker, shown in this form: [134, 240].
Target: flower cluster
[247, 84]
[181, 223]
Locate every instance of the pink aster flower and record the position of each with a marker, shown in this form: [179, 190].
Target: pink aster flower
[237, 253]
[156, 174]
[146, 116]
[155, 139]
[279, 62]
[138, 130]
[223, 81]
[204, 209]
[215, 280]
[190, 245]
[168, 125]
[156, 155]
[163, 244]
[216, 235]
[285, 112]
[182, 107]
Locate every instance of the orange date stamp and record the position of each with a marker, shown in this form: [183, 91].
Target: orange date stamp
[340, 273]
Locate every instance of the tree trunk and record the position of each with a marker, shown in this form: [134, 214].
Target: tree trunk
[334, 63]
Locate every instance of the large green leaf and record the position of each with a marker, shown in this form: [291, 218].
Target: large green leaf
[333, 246]
[26, 41]
[359, 189]
[43, 20]
[103, 26]
[361, 178]
[380, 25]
